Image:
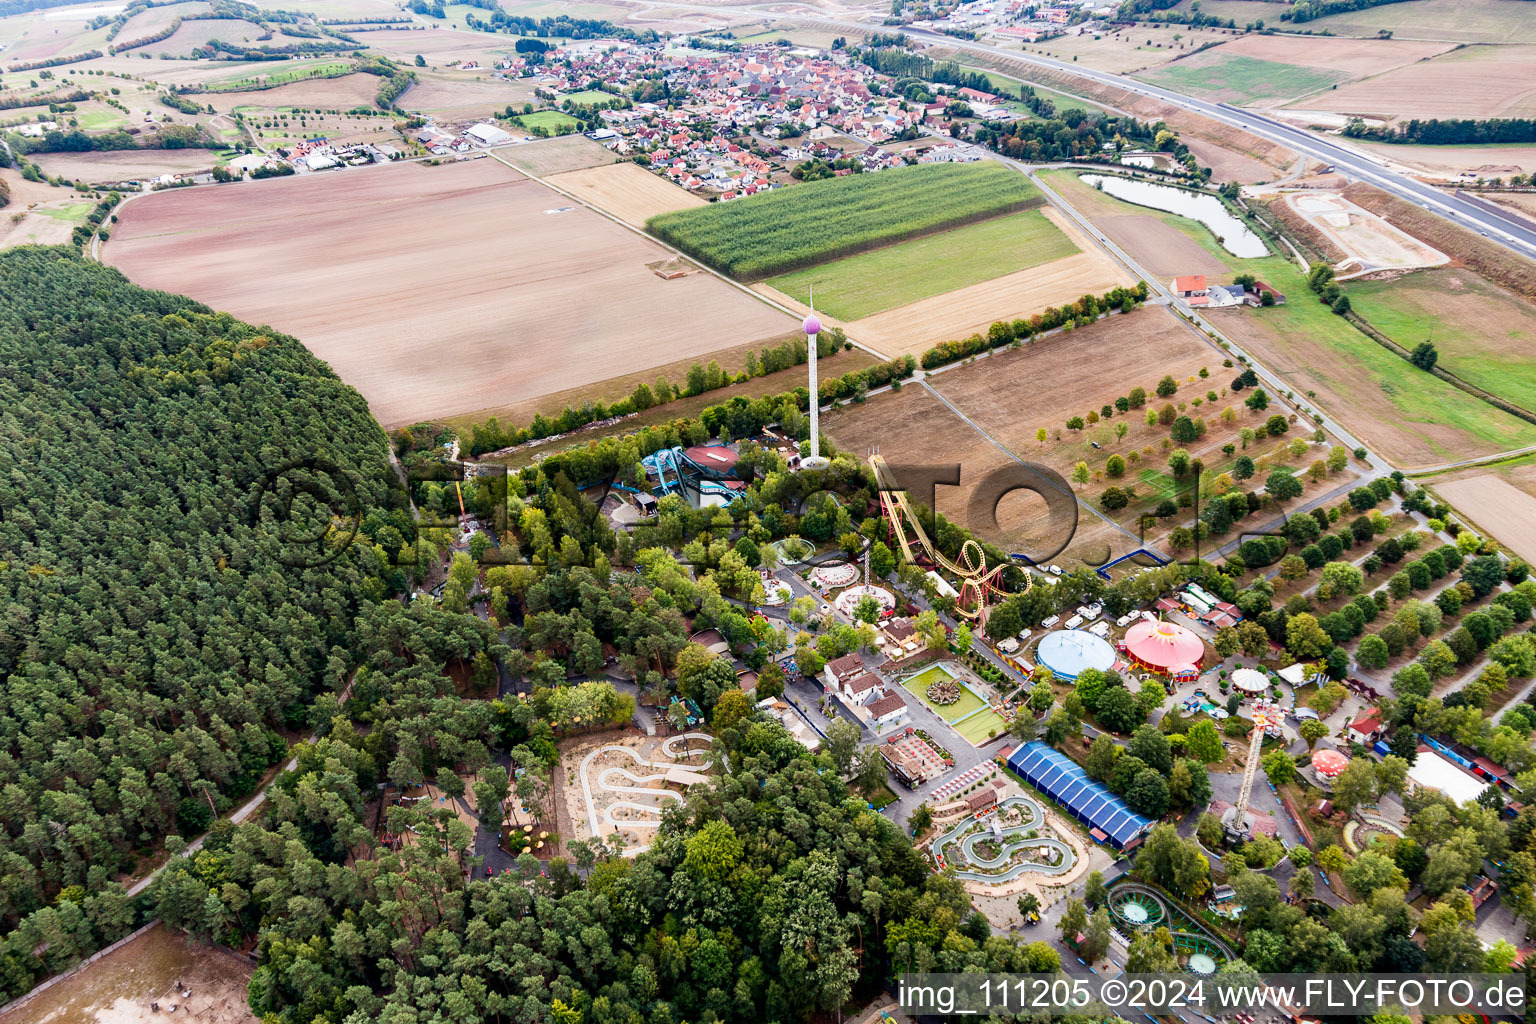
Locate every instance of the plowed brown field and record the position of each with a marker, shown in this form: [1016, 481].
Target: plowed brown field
[435, 290]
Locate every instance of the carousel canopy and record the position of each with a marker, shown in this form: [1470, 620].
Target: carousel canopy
[1162, 645]
[1250, 680]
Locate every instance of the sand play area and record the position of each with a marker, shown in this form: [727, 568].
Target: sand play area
[621, 784]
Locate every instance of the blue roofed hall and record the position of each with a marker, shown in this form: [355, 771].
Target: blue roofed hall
[1065, 781]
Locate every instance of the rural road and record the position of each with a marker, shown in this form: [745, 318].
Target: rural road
[1499, 226]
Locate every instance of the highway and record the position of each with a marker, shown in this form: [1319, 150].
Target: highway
[1497, 225]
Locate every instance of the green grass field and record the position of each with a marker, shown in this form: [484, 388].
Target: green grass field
[1484, 335]
[918, 685]
[870, 282]
[590, 97]
[278, 72]
[1243, 79]
[982, 727]
[552, 121]
[72, 212]
[802, 225]
[97, 120]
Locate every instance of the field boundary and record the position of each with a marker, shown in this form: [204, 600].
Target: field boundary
[1364, 327]
[672, 249]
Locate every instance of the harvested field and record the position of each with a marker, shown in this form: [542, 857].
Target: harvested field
[972, 309]
[1354, 58]
[462, 94]
[1484, 335]
[1462, 21]
[157, 19]
[1413, 418]
[340, 93]
[1496, 507]
[115, 165]
[195, 34]
[1227, 164]
[484, 295]
[732, 360]
[626, 190]
[1451, 161]
[875, 281]
[1369, 241]
[1487, 258]
[437, 45]
[1521, 202]
[1476, 81]
[556, 156]
[1130, 49]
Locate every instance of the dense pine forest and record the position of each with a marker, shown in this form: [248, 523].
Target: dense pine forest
[154, 645]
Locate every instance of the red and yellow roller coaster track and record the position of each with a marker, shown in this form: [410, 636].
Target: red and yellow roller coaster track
[977, 582]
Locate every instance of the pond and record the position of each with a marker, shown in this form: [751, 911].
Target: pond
[1234, 236]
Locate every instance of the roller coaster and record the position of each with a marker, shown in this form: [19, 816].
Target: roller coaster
[977, 582]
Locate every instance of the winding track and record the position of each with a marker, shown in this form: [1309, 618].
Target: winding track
[595, 822]
[1034, 818]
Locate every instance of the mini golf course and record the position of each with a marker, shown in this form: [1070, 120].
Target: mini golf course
[959, 845]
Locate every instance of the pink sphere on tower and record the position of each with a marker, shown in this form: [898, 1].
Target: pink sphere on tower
[812, 325]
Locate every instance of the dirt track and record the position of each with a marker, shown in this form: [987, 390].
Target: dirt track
[435, 290]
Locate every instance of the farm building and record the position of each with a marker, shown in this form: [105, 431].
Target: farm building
[1163, 647]
[1190, 286]
[1064, 780]
[1067, 652]
[488, 135]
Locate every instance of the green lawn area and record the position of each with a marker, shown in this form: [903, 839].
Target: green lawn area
[95, 120]
[1416, 396]
[279, 71]
[1243, 79]
[918, 687]
[1484, 335]
[858, 286]
[981, 727]
[552, 121]
[590, 97]
[74, 211]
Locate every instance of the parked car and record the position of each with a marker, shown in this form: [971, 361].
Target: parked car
[1054, 570]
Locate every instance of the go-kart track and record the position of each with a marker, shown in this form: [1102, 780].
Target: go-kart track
[965, 836]
[648, 813]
